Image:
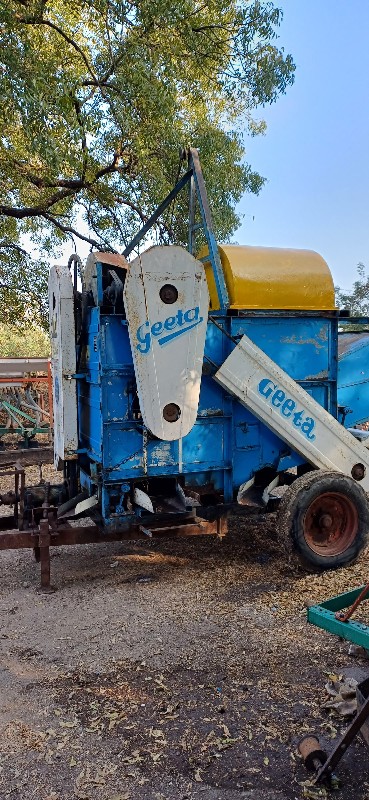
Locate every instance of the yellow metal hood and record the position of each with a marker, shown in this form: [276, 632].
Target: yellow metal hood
[272, 278]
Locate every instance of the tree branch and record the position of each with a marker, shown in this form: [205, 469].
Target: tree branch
[68, 39]
[69, 229]
[69, 187]
[133, 207]
[109, 211]
[34, 211]
[78, 110]
[4, 245]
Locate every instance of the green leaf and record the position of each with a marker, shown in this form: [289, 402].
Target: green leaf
[97, 98]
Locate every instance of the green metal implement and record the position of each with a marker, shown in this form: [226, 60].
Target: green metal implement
[22, 423]
[324, 616]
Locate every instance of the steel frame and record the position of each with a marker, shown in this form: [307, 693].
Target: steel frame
[197, 190]
[27, 457]
[343, 743]
[325, 616]
[50, 534]
[10, 376]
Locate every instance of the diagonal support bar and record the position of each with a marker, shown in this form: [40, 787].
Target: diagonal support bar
[344, 743]
[208, 225]
[195, 177]
[155, 216]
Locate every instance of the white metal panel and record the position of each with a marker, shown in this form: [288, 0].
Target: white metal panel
[63, 364]
[290, 412]
[142, 499]
[167, 338]
[22, 366]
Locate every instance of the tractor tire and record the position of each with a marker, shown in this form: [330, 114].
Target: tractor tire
[324, 518]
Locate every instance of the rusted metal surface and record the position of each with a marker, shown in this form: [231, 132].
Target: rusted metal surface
[311, 752]
[68, 535]
[331, 523]
[20, 381]
[16, 540]
[343, 616]
[362, 693]
[316, 759]
[44, 541]
[344, 742]
[16, 496]
[27, 457]
[46, 536]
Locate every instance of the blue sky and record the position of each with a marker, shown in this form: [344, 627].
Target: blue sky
[315, 153]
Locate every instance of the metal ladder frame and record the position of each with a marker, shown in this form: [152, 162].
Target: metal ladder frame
[197, 190]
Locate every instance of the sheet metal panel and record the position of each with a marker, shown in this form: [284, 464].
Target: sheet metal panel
[227, 443]
[166, 301]
[297, 419]
[272, 278]
[63, 363]
[353, 376]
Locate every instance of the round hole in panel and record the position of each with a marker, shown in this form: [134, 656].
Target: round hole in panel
[358, 472]
[168, 293]
[171, 412]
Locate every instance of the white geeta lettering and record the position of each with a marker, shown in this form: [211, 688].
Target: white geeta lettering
[169, 329]
[287, 407]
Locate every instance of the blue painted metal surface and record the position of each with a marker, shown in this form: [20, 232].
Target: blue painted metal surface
[227, 444]
[353, 377]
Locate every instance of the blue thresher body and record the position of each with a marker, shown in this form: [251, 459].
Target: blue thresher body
[227, 445]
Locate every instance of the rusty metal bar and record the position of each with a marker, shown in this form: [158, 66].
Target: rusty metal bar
[343, 743]
[344, 616]
[16, 492]
[14, 540]
[19, 508]
[16, 381]
[27, 457]
[68, 535]
[88, 534]
[41, 539]
[44, 547]
[222, 526]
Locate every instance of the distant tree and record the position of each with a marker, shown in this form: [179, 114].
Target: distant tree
[356, 299]
[97, 96]
[23, 286]
[17, 343]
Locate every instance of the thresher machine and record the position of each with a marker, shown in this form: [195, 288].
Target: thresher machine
[188, 380]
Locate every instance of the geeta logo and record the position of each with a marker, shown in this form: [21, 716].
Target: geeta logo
[287, 407]
[170, 329]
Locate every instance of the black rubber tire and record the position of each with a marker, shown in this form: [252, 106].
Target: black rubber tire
[294, 507]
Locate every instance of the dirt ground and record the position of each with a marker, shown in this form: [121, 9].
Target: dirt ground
[171, 670]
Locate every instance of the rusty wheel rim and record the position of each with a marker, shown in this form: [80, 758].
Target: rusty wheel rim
[330, 524]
